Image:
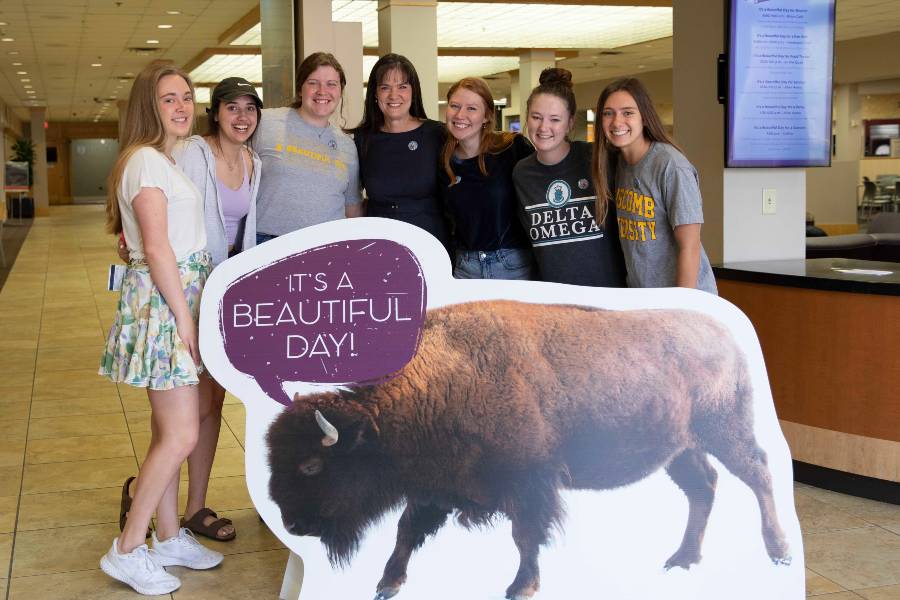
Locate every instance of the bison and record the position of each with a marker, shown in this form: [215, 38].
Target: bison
[505, 403]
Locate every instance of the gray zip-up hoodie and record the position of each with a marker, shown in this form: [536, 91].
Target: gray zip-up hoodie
[195, 158]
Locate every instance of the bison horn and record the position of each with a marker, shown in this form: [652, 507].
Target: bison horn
[330, 431]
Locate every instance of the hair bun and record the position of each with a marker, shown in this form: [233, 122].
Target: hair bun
[556, 76]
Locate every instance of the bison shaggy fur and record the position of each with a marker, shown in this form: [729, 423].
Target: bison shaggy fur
[504, 404]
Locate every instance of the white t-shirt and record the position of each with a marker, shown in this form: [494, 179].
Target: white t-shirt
[149, 168]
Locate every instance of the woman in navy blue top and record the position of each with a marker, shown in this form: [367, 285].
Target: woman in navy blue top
[396, 137]
[477, 187]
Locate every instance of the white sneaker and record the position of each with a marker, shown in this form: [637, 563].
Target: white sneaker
[140, 570]
[184, 550]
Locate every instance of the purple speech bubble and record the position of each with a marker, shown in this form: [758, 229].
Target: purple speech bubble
[346, 312]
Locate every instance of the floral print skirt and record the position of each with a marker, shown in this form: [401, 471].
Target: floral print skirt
[143, 348]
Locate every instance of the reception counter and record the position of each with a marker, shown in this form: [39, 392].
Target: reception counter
[830, 334]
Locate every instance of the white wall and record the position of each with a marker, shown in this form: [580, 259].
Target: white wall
[751, 235]
[735, 228]
[831, 192]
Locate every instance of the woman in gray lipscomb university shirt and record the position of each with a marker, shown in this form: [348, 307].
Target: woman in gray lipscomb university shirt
[310, 173]
[657, 192]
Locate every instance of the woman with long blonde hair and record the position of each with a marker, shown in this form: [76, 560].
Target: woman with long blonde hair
[477, 187]
[153, 340]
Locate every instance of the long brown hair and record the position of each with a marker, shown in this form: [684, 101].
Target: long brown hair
[142, 126]
[605, 154]
[310, 64]
[491, 142]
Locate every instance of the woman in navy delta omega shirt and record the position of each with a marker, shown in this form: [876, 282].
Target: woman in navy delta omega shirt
[572, 243]
[477, 188]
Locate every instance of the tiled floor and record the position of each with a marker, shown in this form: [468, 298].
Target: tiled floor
[68, 440]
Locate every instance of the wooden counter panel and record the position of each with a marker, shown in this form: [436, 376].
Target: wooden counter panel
[833, 358]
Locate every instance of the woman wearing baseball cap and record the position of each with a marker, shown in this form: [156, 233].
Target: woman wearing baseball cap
[226, 172]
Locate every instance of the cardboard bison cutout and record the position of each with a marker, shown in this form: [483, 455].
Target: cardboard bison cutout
[484, 439]
[504, 404]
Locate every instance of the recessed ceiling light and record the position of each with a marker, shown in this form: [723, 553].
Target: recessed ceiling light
[13, 52]
[27, 87]
[2, 23]
[17, 64]
[26, 80]
[173, 12]
[30, 92]
[96, 64]
[161, 27]
[7, 39]
[152, 41]
[21, 72]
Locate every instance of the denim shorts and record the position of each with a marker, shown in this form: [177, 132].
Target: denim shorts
[505, 263]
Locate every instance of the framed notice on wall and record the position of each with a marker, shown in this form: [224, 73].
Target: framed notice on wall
[780, 64]
[16, 176]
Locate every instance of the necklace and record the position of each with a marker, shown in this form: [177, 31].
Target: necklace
[231, 165]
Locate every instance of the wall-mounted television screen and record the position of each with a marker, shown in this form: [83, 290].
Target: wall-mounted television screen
[780, 65]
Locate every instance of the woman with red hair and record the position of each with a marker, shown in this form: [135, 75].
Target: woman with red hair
[477, 187]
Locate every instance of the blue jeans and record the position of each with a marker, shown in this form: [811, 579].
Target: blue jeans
[505, 263]
[264, 237]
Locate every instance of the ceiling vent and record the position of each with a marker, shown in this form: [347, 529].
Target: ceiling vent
[143, 51]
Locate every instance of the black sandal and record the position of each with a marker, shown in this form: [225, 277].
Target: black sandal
[125, 506]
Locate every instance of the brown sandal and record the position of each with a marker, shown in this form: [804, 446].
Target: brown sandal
[125, 506]
[210, 531]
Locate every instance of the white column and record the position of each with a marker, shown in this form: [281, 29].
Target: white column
[511, 112]
[735, 228]
[410, 28]
[832, 192]
[848, 129]
[39, 168]
[531, 63]
[348, 49]
[314, 28]
[316, 32]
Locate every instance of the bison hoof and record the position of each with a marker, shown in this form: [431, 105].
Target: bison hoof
[781, 560]
[387, 592]
[522, 594]
[683, 559]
